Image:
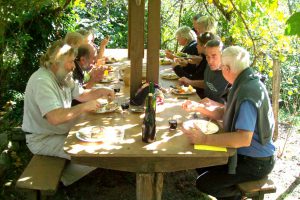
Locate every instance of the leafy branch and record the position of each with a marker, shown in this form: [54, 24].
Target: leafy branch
[220, 7]
[240, 14]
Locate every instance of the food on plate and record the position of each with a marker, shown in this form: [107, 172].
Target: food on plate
[109, 60]
[184, 90]
[109, 68]
[107, 107]
[107, 79]
[181, 54]
[165, 61]
[97, 133]
[171, 76]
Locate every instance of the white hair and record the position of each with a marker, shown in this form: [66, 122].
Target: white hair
[208, 23]
[186, 32]
[55, 53]
[237, 58]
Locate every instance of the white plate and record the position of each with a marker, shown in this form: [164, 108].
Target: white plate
[176, 91]
[85, 134]
[205, 126]
[137, 109]
[100, 134]
[170, 76]
[107, 80]
[107, 108]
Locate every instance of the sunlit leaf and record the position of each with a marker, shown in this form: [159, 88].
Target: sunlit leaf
[270, 74]
[282, 58]
[290, 92]
[293, 25]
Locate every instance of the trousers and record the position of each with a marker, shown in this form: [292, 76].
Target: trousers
[217, 182]
[52, 145]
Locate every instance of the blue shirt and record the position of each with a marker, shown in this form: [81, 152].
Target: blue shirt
[247, 121]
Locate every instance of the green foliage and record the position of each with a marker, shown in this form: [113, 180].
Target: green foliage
[107, 18]
[14, 111]
[293, 25]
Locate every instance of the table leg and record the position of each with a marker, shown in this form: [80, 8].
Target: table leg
[149, 186]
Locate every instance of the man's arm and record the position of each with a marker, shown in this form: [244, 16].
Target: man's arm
[62, 115]
[90, 94]
[240, 138]
[194, 83]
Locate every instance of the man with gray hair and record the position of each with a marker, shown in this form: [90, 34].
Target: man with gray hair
[84, 72]
[248, 124]
[185, 37]
[48, 115]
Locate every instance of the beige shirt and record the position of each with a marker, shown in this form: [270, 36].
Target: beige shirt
[42, 95]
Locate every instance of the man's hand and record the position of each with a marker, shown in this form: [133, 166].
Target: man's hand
[92, 105]
[195, 135]
[106, 92]
[184, 81]
[182, 62]
[195, 60]
[105, 41]
[96, 74]
[191, 106]
[169, 54]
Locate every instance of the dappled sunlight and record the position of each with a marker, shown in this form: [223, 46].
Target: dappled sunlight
[188, 152]
[24, 179]
[165, 137]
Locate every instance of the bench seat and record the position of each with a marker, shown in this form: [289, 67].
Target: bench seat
[42, 175]
[257, 189]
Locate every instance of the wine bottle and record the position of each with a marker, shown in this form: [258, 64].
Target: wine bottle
[149, 126]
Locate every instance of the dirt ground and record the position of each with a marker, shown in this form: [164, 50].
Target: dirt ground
[105, 184]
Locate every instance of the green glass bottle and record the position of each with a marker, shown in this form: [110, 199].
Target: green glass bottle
[149, 125]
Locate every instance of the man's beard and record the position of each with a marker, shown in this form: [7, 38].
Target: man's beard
[65, 78]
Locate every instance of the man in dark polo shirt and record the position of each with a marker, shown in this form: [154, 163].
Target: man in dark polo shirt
[214, 83]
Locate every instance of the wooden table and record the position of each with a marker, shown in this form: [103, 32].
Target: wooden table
[170, 152]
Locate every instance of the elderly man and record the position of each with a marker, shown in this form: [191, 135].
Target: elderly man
[213, 83]
[185, 37]
[83, 63]
[248, 126]
[48, 115]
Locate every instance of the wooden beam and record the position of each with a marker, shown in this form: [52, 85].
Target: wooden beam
[149, 186]
[153, 40]
[276, 94]
[137, 13]
[129, 27]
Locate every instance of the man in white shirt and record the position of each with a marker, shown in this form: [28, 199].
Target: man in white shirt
[48, 115]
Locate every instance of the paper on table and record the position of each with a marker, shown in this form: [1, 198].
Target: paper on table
[209, 148]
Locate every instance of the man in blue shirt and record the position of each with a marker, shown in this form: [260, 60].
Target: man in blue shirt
[248, 126]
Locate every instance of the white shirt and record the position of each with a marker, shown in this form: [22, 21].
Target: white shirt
[42, 95]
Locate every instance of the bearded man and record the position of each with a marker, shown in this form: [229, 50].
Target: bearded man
[48, 115]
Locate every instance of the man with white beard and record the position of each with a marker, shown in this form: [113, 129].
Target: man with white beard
[48, 115]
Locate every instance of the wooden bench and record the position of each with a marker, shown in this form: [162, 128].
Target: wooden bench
[41, 176]
[257, 189]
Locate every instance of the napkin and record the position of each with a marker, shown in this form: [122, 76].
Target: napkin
[209, 148]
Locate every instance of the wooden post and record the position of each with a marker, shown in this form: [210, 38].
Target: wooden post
[275, 94]
[129, 27]
[153, 40]
[137, 13]
[149, 186]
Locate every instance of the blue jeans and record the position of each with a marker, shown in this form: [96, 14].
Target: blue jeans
[217, 182]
